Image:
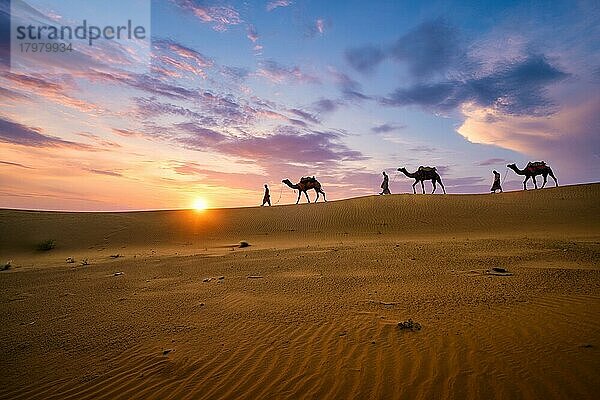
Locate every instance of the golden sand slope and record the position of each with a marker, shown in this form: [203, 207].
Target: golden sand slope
[575, 208]
[310, 309]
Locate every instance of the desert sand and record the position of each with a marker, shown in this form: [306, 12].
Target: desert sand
[165, 305]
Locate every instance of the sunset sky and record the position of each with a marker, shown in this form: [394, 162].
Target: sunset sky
[239, 94]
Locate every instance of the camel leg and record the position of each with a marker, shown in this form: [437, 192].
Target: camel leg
[298, 199]
[545, 180]
[423, 186]
[414, 190]
[442, 185]
[534, 182]
[307, 198]
[317, 199]
[553, 177]
[323, 193]
[525, 183]
[433, 183]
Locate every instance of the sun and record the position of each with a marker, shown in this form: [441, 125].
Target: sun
[200, 204]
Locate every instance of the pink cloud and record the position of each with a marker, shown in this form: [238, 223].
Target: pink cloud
[219, 16]
[32, 87]
[568, 138]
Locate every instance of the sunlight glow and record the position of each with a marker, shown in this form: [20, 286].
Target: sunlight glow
[200, 204]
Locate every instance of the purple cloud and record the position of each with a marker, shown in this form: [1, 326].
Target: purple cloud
[364, 59]
[325, 106]
[514, 89]
[492, 161]
[15, 133]
[305, 115]
[432, 47]
[277, 73]
[387, 128]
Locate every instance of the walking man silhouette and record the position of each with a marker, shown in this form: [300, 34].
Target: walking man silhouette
[267, 197]
[385, 184]
[496, 184]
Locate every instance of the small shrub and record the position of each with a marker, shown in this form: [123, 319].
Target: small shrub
[6, 266]
[244, 244]
[46, 245]
[409, 325]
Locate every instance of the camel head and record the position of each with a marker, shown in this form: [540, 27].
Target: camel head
[513, 165]
[402, 169]
[286, 181]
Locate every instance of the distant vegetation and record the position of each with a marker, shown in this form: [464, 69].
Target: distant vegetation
[46, 245]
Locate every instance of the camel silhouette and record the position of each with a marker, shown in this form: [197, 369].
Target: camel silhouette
[304, 185]
[532, 170]
[424, 174]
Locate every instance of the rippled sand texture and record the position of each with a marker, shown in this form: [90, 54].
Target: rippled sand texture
[310, 309]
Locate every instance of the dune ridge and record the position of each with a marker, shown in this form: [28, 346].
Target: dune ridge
[530, 212]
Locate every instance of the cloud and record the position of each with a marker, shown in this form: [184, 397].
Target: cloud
[15, 133]
[320, 25]
[432, 47]
[568, 138]
[15, 164]
[462, 181]
[245, 180]
[252, 34]
[350, 88]
[104, 172]
[305, 115]
[423, 149]
[277, 73]
[515, 89]
[278, 3]
[364, 59]
[492, 161]
[179, 58]
[151, 107]
[285, 144]
[292, 145]
[220, 17]
[384, 128]
[325, 106]
[100, 142]
[32, 87]
[199, 137]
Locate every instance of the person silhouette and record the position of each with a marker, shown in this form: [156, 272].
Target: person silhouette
[385, 184]
[266, 197]
[496, 185]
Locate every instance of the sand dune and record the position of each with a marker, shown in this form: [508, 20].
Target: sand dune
[310, 309]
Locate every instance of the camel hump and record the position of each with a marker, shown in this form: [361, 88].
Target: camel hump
[308, 179]
[426, 169]
[536, 164]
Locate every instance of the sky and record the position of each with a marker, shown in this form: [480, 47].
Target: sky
[231, 95]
